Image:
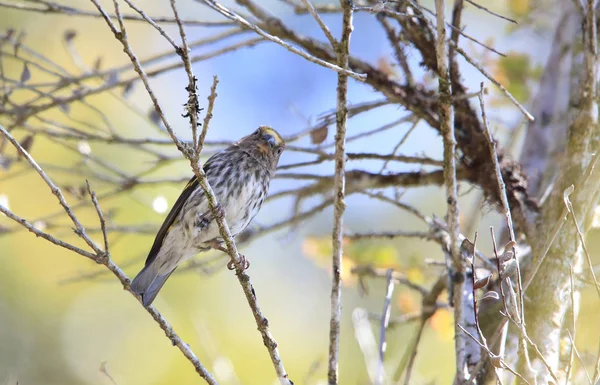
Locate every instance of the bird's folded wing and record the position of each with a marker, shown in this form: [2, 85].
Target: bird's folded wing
[171, 219]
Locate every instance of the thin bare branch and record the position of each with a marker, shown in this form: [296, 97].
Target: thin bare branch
[240, 20]
[100, 257]
[447, 129]
[339, 192]
[385, 321]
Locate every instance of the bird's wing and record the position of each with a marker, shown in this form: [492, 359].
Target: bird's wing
[171, 218]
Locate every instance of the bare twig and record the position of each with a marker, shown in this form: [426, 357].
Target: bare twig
[581, 361]
[490, 12]
[240, 20]
[339, 191]
[494, 357]
[311, 8]
[100, 257]
[209, 114]
[363, 332]
[100, 218]
[447, 129]
[56, 8]
[571, 211]
[385, 320]
[491, 78]
[399, 278]
[573, 325]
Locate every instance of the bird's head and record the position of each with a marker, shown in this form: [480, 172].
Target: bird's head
[265, 144]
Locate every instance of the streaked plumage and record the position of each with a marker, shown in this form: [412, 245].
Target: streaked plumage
[239, 177]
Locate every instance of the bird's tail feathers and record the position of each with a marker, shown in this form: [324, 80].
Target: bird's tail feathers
[148, 283]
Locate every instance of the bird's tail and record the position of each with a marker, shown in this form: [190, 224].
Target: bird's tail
[148, 283]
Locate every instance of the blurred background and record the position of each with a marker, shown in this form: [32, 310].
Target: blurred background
[64, 320]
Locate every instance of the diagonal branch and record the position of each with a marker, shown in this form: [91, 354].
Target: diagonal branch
[99, 256]
[240, 20]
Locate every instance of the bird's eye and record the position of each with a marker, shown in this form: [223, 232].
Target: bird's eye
[279, 150]
[257, 132]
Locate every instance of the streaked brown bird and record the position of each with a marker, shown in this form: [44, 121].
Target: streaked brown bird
[240, 177]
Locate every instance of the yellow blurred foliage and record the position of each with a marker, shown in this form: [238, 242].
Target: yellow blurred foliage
[442, 322]
[406, 302]
[319, 250]
[519, 8]
[415, 275]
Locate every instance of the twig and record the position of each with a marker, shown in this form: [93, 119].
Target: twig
[482, 339]
[385, 321]
[560, 222]
[79, 229]
[504, 199]
[121, 36]
[490, 12]
[494, 357]
[192, 105]
[581, 361]
[240, 20]
[412, 356]
[428, 308]
[104, 370]
[400, 143]
[99, 257]
[100, 218]
[447, 128]
[370, 271]
[324, 27]
[209, 114]
[339, 191]
[571, 211]
[496, 83]
[156, 26]
[597, 367]
[56, 8]
[363, 332]
[573, 325]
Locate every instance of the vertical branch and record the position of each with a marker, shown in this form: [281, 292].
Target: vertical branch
[192, 106]
[469, 321]
[385, 321]
[447, 128]
[339, 187]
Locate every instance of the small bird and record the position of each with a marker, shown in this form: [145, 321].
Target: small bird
[239, 176]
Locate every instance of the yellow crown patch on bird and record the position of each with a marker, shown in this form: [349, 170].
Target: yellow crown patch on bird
[268, 130]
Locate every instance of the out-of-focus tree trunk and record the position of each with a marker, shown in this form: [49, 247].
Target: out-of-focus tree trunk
[559, 151]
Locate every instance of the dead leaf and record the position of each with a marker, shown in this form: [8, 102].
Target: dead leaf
[491, 295]
[25, 74]
[98, 64]
[481, 283]
[69, 35]
[27, 143]
[318, 135]
[385, 65]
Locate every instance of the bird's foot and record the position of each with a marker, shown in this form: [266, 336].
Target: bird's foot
[219, 211]
[244, 263]
[206, 217]
[218, 246]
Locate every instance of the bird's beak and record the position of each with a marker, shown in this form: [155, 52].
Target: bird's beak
[270, 139]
